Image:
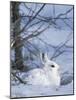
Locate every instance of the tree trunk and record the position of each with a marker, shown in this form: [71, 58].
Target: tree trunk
[18, 49]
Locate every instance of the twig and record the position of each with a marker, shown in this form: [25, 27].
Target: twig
[14, 74]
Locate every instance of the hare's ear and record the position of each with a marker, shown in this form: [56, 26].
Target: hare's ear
[44, 57]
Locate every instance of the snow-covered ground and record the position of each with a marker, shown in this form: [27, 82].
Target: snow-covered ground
[30, 90]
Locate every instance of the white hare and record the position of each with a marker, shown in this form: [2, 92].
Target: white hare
[46, 76]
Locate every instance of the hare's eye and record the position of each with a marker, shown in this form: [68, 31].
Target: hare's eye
[52, 66]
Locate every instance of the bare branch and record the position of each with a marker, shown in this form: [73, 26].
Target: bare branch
[67, 24]
[46, 43]
[60, 46]
[21, 81]
[62, 14]
[31, 36]
[47, 20]
[32, 18]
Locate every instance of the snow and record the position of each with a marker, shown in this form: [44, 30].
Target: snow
[35, 90]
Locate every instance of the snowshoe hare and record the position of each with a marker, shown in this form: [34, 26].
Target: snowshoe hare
[46, 76]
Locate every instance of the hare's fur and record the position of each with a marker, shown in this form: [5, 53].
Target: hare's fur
[48, 75]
